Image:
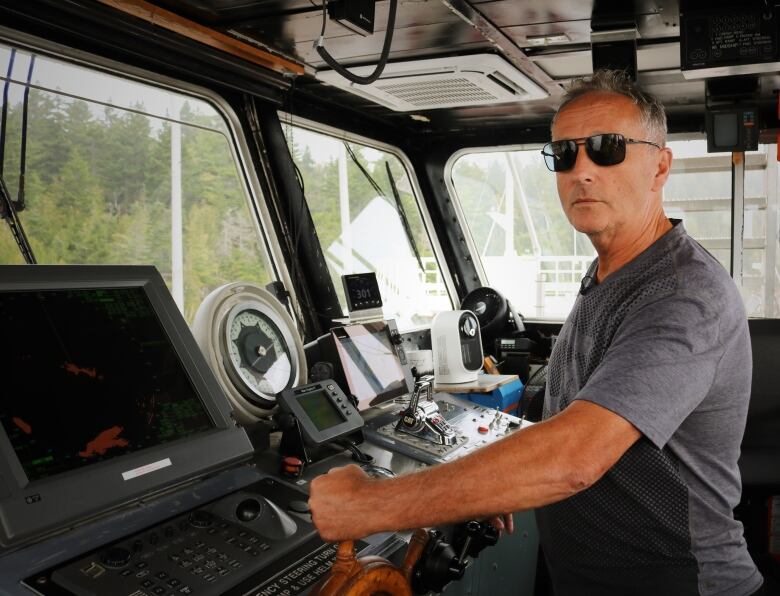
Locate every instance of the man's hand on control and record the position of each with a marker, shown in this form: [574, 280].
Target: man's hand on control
[336, 505]
[503, 523]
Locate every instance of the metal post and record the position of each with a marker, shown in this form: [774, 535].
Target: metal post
[770, 254]
[737, 215]
[177, 252]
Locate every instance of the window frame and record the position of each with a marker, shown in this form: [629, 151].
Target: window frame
[237, 142]
[737, 230]
[287, 119]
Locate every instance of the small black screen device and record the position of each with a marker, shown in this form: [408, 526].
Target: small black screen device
[323, 412]
[361, 291]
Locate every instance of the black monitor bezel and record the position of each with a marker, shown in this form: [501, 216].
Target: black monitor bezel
[351, 421]
[747, 136]
[30, 510]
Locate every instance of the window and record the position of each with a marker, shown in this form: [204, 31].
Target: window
[118, 171]
[367, 217]
[699, 192]
[530, 252]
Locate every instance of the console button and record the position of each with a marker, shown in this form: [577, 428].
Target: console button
[115, 557]
[201, 519]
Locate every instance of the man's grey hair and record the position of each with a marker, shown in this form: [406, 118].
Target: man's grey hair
[651, 111]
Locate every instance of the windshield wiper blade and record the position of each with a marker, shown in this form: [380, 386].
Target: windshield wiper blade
[402, 215]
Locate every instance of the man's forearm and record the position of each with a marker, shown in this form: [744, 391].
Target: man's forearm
[510, 475]
[536, 466]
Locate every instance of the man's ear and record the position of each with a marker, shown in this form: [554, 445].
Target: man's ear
[663, 168]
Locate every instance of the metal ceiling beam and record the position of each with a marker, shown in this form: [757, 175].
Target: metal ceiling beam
[499, 40]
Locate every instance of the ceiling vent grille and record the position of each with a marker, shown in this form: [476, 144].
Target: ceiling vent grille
[456, 81]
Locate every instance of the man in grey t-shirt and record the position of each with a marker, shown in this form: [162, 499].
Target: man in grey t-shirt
[634, 471]
[659, 338]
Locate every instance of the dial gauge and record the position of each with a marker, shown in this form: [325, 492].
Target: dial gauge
[257, 351]
[253, 346]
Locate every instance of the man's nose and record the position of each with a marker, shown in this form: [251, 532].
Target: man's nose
[583, 168]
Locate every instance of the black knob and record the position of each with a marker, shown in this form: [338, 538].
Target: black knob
[201, 519]
[137, 546]
[154, 538]
[249, 510]
[116, 556]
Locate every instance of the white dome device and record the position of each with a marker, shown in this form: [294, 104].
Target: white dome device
[457, 347]
[252, 345]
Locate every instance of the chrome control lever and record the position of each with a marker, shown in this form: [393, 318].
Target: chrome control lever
[424, 420]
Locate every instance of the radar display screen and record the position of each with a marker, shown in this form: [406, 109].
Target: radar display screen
[89, 375]
[371, 365]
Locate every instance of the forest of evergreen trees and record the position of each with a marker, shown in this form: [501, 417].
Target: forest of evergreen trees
[98, 191]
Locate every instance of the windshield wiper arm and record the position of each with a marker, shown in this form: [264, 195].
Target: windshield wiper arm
[8, 212]
[402, 215]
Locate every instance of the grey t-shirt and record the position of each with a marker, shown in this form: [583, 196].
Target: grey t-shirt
[663, 342]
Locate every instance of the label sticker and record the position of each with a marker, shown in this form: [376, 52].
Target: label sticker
[158, 465]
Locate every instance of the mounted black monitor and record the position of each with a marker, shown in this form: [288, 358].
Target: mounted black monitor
[732, 128]
[106, 397]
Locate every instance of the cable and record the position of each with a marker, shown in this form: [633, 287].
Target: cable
[4, 116]
[380, 67]
[357, 454]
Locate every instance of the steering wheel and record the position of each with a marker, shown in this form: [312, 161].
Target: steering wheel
[372, 575]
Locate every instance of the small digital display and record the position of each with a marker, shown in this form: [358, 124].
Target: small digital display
[725, 129]
[89, 375]
[322, 412]
[371, 365]
[362, 291]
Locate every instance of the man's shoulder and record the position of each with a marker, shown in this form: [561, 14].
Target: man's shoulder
[700, 274]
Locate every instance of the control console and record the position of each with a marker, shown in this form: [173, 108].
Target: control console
[455, 427]
[210, 550]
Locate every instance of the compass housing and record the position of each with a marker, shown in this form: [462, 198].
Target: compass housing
[252, 345]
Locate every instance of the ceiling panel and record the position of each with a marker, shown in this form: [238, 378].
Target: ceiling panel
[418, 42]
[577, 32]
[510, 13]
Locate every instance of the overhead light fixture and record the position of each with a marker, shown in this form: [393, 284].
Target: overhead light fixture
[546, 40]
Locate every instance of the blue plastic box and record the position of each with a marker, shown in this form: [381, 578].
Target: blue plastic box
[505, 397]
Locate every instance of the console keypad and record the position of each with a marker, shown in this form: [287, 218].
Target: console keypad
[181, 557]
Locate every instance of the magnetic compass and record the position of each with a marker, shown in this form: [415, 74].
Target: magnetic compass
[257, 353]
[252, 345]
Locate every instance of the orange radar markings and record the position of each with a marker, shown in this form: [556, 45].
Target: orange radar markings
[76, 370]
[26, 428]
[104, 441]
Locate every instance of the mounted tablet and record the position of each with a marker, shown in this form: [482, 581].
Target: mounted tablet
[106, 397]
[372, 362]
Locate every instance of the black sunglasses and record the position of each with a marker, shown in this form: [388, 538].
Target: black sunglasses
[605, 150]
